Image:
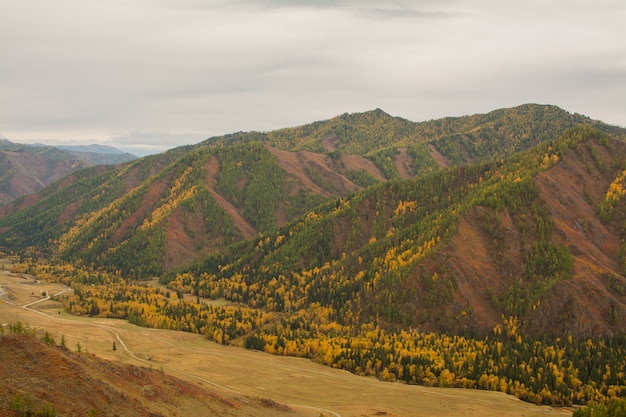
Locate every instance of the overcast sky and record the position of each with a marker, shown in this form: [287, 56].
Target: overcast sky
[148, 75]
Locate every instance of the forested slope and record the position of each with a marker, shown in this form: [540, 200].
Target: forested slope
[164, 211]
[539, 236]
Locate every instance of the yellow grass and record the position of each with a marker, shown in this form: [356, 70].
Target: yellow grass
[309, 388]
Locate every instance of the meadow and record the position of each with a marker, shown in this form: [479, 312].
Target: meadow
[310, 389]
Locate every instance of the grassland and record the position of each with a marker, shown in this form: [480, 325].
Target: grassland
[307, 388]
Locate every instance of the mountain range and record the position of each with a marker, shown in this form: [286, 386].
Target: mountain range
[517, 212]
[26, 169]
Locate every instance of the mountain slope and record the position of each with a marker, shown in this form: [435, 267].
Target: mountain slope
[167, 210]
[26, 169]
[26, 173]
[521, 237]
[37, 375]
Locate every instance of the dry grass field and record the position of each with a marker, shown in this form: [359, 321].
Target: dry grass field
[309, 389]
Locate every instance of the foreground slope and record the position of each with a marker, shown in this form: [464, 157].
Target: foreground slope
[36, 375]
[165, 211]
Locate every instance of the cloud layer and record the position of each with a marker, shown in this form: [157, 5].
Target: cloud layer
[158, 74]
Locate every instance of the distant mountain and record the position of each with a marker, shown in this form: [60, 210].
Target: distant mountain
[26, 169]
[494, 214]
[23, 173]
[91, 149]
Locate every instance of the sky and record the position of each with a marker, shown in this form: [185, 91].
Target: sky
[149, 75]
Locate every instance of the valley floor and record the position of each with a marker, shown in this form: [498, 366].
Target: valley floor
[308, 388]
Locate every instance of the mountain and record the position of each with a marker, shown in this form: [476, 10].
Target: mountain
[480, 212]
[92, 154]
[229, 188]
[91, 149]
[23, 173]
[26, 169]
[539, 236]
[36, 381]
[98, 154]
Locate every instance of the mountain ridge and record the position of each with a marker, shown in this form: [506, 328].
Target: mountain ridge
[320, 176]
[186, 206]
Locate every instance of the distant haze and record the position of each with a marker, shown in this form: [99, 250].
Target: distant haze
[91, 148]
[145, 76]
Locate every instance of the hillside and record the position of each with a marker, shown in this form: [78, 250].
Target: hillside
[176, 207]
[25, 173]
[538, 237]
[37, 377]
[27, 169]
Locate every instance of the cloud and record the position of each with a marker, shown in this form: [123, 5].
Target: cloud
[107, 70]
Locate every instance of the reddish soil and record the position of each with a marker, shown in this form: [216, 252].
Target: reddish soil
[583, 303]
[478, 268]
[294, 165]
[76, 383]
[441, 160]
[563, 189]
[357, 163]
[333, 173]
[403, 162]
[69, 211]
[484, 264]
[211, 168]
[185, 233]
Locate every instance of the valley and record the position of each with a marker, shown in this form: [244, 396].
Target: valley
[307, 388]
[364, 259]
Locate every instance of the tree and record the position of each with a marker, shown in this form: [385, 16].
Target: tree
[47, 410]
[47, 339]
